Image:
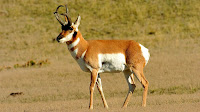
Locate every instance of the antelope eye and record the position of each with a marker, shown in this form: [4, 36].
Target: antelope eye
[70, 28]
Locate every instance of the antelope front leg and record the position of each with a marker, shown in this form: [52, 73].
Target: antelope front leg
[92, 85]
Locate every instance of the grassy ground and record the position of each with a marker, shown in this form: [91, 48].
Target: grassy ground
[50, 80]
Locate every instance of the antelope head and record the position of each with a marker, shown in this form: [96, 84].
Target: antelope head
[68, 28]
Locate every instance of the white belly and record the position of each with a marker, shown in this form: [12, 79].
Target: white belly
[112, 62]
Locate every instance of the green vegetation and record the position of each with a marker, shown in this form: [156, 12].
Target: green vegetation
[32, 63]
[31, 24]
[107, 18]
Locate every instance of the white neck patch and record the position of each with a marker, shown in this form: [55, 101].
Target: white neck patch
[74, 43]
[74, 53]
[82, 56]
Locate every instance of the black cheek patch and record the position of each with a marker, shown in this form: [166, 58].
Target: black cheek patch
[75, 33]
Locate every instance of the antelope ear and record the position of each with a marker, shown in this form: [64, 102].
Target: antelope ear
[77, 22]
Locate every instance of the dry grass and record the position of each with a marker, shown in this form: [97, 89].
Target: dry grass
[170, 29]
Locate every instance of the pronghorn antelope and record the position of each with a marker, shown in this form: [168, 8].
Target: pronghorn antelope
[98, 56]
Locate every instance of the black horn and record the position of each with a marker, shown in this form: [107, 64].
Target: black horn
[64, 14]
[67, 15]
[57, 15]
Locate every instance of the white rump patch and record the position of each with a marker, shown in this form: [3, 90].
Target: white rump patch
[145, 53]
[111, 62]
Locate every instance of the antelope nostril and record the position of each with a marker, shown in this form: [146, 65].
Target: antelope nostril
[59, 37]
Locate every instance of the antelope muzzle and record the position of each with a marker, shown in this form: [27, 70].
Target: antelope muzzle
[60, 36]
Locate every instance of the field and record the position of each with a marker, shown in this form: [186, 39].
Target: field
[37, 74]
